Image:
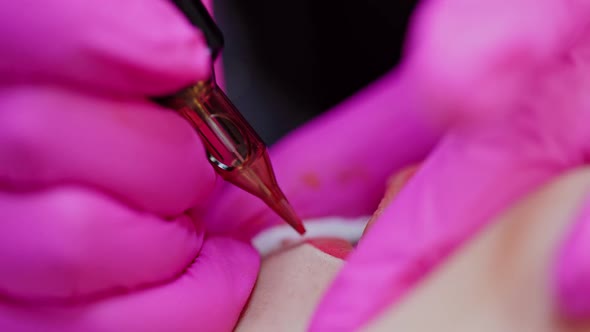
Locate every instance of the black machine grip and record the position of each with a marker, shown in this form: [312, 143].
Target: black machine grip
[197, 14]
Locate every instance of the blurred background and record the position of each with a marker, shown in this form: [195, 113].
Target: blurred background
[288, 61]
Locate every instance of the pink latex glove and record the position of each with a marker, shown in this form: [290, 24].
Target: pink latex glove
[511, 79]
[508, 80]
[96, 181]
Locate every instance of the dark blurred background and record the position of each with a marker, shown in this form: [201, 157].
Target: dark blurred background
[288, 61]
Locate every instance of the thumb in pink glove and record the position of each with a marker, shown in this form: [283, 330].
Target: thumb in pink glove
[510, 78]
[96, 182]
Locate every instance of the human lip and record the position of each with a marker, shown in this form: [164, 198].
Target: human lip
[333, 246]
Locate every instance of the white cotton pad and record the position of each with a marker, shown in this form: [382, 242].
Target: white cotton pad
[349, 229]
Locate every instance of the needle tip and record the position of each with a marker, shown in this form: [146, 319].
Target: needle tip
[259, 180]
[285, 210]
[298, 226]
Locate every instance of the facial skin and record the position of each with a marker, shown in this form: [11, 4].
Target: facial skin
[497, 282]
[290, 284]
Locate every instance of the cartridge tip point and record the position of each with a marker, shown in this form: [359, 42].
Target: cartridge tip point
[298, 226]
[285, 210]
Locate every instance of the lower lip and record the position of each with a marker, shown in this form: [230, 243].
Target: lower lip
[336, 247]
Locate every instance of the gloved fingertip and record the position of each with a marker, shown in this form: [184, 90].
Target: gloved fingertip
[494, 56]
[572, 269]
[141, 48]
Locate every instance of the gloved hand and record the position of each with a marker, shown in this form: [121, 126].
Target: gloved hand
[499, 90]
[96, 181]
[510, 80]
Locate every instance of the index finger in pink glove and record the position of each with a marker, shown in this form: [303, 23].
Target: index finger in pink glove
[71, 244]
[489, 49]
[146, 156]
[209, 296]
[126, 47]
[475, 173]
[337, 164]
